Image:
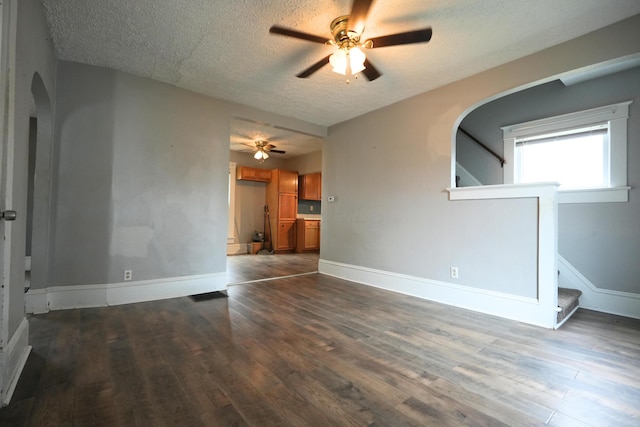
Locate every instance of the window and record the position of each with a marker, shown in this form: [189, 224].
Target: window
[585, 152]
[575, 159]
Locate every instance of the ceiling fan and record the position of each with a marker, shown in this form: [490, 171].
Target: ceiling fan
[263, 148]
[349, 58]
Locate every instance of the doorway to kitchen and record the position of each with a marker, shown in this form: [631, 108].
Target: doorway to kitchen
[249, 268]
[266, 202]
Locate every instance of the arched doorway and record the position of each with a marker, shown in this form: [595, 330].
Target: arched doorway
[39, 184]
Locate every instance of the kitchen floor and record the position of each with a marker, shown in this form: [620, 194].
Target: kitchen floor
[247, 268]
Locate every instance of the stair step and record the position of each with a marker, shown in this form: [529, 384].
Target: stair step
[567, 301]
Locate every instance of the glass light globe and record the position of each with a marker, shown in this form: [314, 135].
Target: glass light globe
[357, 58]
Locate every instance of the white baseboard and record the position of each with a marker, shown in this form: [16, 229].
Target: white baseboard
[527, 310]
[12, 360]
[237, 248]
[35, 301]
[86, 296]
[593, 298]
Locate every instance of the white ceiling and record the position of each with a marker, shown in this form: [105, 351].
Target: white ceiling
[222, 48]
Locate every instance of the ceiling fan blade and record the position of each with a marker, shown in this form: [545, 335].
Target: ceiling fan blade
[417, 36]
[315, 67]
[277, 151]
[276, 29]
[358, 15]
[370, 72]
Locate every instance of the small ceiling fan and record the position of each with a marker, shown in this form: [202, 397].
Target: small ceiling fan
[347, 31]
[263, 148]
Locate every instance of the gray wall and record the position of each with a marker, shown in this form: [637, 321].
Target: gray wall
[601, 240]
[476, 160]
[169, 186]
[142, 179]
[307, 163]
[391, 210]
[84, 142]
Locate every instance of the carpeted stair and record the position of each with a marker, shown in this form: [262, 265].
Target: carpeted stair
[567, 302]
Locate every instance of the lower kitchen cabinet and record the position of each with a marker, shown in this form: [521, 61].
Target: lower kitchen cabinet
[308, 232]
[286, 236]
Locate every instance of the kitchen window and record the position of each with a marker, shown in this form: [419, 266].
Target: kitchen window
[585, 152]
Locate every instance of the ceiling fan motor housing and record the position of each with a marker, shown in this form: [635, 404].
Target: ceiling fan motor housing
[341, 34]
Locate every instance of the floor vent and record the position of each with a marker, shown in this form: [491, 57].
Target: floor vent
[209, 296]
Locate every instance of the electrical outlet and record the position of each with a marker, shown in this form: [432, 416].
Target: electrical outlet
[128, 275]
[311, 208]
[454, 272]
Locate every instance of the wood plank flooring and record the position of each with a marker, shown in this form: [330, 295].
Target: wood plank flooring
[246, 268]
[314, 350]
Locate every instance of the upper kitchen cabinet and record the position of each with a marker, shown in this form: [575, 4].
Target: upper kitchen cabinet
[310, 186]
[287, 181]
[253, 174]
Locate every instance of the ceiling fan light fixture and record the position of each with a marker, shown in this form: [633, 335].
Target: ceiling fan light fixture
[348, 61]
[261, 155]
[346, 31]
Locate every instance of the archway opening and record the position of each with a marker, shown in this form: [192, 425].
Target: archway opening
[38, 185]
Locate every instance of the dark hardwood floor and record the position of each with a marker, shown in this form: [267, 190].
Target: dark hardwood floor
[246, 268]
[313, 350]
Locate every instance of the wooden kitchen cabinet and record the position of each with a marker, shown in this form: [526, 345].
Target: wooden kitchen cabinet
[282, 199]
[287, 206]
[287, 180]
[308, 235]
[310, 186]
[247, 173]
[285, 236]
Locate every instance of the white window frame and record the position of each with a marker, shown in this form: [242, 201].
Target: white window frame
[616, 115]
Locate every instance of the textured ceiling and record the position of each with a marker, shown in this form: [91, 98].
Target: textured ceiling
[244, 134]
[224, 49]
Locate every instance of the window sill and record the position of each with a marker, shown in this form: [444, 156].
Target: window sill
[508, 191]
[503, 191]
[594, 195]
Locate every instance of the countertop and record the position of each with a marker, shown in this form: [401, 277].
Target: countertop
[310, 217]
